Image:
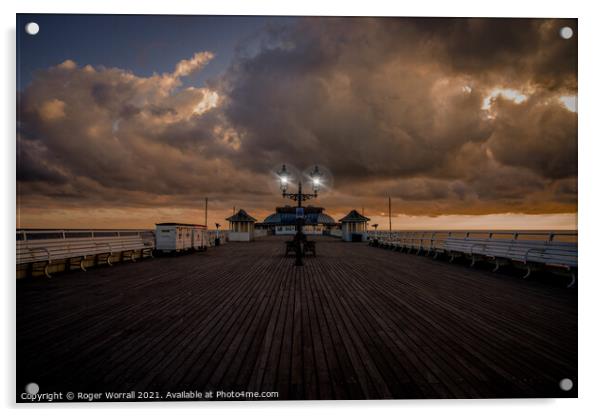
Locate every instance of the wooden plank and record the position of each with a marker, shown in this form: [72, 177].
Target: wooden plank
[354, 322]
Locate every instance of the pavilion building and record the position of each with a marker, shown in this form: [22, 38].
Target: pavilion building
[283, 221]
[242, 227]
[354, 227]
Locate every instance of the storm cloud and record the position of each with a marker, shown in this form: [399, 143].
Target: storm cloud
[447, 116]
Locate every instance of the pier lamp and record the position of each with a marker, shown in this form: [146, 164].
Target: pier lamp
[284, 177]
[316, 181]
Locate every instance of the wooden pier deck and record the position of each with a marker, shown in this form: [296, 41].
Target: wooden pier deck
[355, 322]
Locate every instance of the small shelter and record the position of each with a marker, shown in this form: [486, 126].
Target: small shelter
[180, 237]
[242, 227]
[354, 227]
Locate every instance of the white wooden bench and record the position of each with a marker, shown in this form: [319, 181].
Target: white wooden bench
[528, 252]
[530, 249]
[42, 248]
[429, 242]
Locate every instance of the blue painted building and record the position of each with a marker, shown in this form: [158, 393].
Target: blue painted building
[283, 221]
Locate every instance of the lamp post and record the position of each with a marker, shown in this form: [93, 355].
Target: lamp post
[217, 239]
[299, 197]
[375, 225]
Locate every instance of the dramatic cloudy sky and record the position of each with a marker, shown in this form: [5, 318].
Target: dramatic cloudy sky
[127, 121]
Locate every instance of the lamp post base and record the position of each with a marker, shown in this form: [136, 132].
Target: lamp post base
[299, 260]
[299, 240]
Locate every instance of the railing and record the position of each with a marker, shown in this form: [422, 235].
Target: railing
[45, 251]
[63, 246]
[260, 232]
[44, 234]
[213, 234]
[531, 248]
[336, 232]
[435, 238]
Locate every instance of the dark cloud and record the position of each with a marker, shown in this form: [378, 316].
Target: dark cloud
[391, 106]
[513, 51]
[536, 136]
[389, 98]
[33, 166]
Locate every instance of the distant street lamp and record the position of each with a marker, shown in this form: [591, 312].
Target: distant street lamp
[375, 225]
[217, 239]
[316, 181]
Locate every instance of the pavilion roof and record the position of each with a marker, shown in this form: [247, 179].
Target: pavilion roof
[241, 216]
[354, 217]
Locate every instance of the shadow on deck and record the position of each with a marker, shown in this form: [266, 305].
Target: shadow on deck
[354, 322]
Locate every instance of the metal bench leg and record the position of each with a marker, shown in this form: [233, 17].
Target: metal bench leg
[497, 266]
[46, 270]
[528, 273]
[573, 280]
[451, 259]
[435, 255]
[474, 260]
[82, 266]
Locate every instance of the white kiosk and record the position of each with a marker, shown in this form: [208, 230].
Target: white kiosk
[354, 227]
[242, 227]
[180, 237]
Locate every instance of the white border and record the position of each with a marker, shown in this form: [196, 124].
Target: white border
[590, 209]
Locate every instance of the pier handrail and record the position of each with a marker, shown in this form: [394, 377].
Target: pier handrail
[395, 235]
[57, 244]
[527, 247]
[213, 234]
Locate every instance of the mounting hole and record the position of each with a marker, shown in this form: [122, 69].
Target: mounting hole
[32, 388]
[32, 28]
[566, 384]
[566, 32]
